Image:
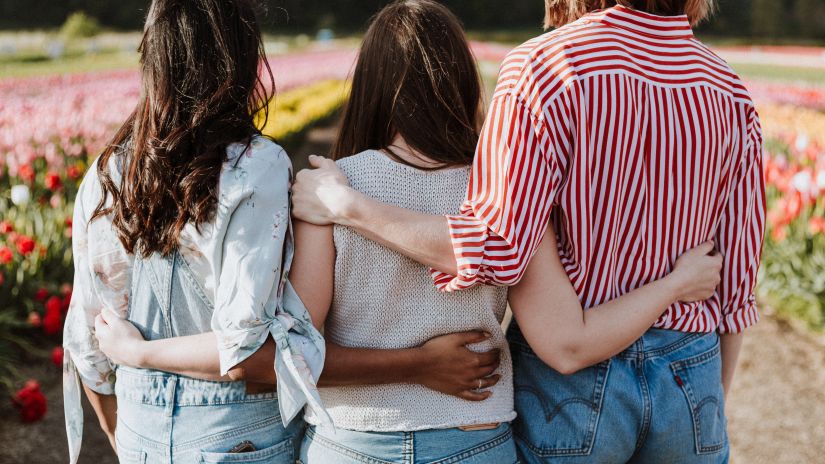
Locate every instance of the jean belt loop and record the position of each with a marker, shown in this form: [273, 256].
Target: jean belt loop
[171, 393]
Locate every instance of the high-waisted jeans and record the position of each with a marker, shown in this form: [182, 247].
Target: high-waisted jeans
[658, 402]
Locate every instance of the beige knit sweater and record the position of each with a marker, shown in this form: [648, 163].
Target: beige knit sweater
[385, 300]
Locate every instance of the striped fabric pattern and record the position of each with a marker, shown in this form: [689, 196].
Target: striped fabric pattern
[638, 143]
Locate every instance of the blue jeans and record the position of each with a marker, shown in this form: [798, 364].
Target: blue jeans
[660, 401]
[435, 446]
[165, 418]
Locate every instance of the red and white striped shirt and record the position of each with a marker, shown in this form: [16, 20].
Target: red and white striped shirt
[638, 143]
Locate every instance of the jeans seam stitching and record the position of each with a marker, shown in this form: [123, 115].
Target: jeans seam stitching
[488, 445]
[312, 436]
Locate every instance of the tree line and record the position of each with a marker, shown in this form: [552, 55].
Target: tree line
[766, 20]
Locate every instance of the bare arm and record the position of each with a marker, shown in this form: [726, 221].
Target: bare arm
[731, 346]
[193, 356]
[568, 339]
[443, 363]
[105, 407]
[425, 238]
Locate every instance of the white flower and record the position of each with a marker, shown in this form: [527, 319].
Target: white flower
[803, 182]
[802, 142]
[820, 179]
[20, 195]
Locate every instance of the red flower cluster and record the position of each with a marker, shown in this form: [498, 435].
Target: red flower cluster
[30, 402]
[53, 321]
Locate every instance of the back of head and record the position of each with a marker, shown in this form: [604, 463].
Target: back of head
[415, 77]
[561, 12]
[199, 63]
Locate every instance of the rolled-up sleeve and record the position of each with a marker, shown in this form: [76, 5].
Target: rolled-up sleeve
[514, 182]
[740, 237]
[252, 300]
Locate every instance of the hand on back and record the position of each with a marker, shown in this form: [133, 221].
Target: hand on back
[452, 368]
[318, 195]
[697, 273]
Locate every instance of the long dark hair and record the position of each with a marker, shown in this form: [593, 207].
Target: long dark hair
[415, 77]
[201, 87]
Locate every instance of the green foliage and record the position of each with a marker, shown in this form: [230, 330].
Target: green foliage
[765, 19]
[792, 278]
[79, 25]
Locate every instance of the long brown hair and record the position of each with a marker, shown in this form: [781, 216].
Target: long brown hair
[561, 12]
[201, 87]
[415, 77]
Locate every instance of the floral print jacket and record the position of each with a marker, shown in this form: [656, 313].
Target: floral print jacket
[242, 257]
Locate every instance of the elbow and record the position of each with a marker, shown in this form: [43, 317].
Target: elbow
[237, 374]
[566, 359]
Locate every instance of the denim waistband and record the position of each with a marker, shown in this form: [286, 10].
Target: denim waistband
[164, 389]
[653, 344]
[661, 342]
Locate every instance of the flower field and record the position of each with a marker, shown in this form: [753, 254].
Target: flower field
[51, 128]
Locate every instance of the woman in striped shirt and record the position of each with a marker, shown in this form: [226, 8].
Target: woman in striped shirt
[636, 143]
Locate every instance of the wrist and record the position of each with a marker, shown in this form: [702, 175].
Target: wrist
[418, 360]
[673, 286]
[348, 212]
[140, 355]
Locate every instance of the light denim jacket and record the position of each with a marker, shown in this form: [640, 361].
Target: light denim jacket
[242, 257]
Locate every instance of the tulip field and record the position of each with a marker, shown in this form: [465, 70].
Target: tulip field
[52, 127]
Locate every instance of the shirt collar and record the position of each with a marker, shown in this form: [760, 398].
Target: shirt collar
[661, 27]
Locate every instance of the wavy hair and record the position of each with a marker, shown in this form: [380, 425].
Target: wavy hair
[201, 63]
[561, 12]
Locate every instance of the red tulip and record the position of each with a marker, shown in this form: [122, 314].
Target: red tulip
[52, 324]
[41, 295]
[25, 245]
[6, 227]
[73, 173]
[26, 172]
[30, 401]
[53, 182]
[57, 356]
[6, 255]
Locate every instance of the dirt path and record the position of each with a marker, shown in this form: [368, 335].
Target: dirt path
[776, 411]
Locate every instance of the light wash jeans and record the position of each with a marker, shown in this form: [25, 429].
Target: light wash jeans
[436, 446]
[166, 418]
[658, 402]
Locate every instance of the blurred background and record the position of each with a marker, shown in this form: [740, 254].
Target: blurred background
[68, 79]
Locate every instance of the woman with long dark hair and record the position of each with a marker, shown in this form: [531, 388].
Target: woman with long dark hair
[182, 227]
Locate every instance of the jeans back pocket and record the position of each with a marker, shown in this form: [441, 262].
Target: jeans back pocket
[700, 378]
[281, 453]
[557, 414]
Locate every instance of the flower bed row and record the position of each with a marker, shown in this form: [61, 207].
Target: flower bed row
[793, 272]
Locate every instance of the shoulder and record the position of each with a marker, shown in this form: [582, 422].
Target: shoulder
[259, 154]
[260, 164]
[366, 161]
[544, 63]
[726, 78]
